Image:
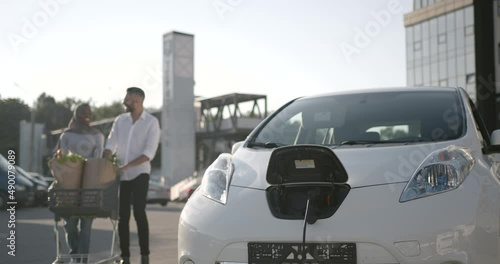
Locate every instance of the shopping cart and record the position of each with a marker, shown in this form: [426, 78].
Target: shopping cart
[96, 203]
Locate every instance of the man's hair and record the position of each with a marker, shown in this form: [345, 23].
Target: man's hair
[136, 91]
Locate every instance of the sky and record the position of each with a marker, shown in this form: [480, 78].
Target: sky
[93, 50]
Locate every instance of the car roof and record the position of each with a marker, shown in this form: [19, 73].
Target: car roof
[386, 89]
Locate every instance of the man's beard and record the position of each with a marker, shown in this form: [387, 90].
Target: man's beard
[129, 108]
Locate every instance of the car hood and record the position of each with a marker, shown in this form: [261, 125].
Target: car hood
[365, 165]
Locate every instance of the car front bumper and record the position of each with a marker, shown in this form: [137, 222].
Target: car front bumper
[436, 229]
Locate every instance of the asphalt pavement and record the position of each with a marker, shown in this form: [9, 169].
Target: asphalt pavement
[32, 239]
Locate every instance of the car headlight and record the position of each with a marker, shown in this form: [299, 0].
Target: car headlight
[443, 170]
[215, 183]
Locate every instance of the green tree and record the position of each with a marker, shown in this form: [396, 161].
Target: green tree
[55, 115]
[12, 111]
[71, 103]
[108, 111]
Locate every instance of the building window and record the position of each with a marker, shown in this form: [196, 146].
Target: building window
[417, 46]
[469, 30]
[409, 35]
[450, 22]
[433, 27]
[442, 38]
[417, 5]
[424, 3]
[469, 15]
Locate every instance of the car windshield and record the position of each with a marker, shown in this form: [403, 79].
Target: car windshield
[365, 118]
[3, 163]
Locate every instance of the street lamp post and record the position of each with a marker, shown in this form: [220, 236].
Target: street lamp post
[32, 139]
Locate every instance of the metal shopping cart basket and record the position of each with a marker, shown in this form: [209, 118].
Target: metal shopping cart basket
[96, 203]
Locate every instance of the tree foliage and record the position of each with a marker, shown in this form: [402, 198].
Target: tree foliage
[12, 111]
[108, 111]
[55, 115]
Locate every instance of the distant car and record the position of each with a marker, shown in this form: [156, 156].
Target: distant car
[24, 193]
[182, 190]
[48, 179]
[158, 193]
[392, 175]
[41, 187]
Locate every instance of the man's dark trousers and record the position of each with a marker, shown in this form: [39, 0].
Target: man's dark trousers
[135, 192]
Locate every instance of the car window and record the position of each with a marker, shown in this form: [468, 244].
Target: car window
[389, 117]
[21, 171]
[20, 177]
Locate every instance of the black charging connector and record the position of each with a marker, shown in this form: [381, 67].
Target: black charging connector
[311, 213]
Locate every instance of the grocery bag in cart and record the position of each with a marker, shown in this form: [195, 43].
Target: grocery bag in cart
[98, 173]
[67, 170]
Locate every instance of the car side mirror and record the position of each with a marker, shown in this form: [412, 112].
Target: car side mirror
[237, 145]
[495, 138]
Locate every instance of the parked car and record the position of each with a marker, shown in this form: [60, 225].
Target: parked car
[47, 179]
[182, 190]
[41, 187]
[158, 193]
[24, 193]
[396, 175]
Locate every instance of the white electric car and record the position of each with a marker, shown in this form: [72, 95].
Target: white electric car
[399, 175]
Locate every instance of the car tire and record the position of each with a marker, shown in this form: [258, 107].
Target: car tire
[163, 203]
[3, 200]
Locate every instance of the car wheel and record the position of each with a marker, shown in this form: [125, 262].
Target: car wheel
[164, 203]
[3, 200]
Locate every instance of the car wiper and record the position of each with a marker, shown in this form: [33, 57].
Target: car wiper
[408, 140]
[360, 142]
[265, 145]
[390, 141]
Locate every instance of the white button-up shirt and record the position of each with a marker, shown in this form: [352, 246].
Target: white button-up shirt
[130, 140]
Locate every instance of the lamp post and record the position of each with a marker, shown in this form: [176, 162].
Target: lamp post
[32, 139]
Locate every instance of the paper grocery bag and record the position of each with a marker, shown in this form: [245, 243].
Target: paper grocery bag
[97, 173]
[68, 174]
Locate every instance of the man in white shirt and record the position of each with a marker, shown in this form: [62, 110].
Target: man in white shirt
[134, 138]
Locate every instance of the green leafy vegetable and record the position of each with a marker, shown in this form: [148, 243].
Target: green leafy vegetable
[113, 159]
[71, 157]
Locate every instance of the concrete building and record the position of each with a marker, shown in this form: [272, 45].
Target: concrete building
[32, 146]
[456, 43]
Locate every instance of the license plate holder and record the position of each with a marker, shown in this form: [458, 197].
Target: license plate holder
[295, 253]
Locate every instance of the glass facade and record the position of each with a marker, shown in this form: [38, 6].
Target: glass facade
[418, 4]
[440, 51]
